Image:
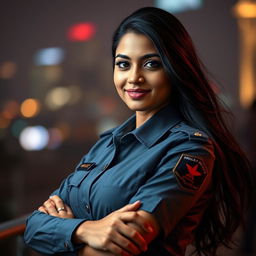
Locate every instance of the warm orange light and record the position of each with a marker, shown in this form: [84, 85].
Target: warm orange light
[30, 107]
[245, 9]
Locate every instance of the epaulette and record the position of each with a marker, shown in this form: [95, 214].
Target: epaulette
[193, 133]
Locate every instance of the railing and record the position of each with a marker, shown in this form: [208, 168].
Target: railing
[13, 227]
[11, 240]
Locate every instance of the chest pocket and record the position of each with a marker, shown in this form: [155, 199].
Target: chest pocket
[81, 172]
[76, 192]
[77, 178]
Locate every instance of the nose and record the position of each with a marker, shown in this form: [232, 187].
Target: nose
[135, 77]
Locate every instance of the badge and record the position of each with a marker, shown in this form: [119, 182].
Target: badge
[86, 166]
[190, 172]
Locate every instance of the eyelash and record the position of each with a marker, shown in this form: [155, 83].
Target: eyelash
[155, 64]
[119, 64]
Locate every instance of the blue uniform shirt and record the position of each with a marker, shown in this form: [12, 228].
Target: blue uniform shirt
[165, 163]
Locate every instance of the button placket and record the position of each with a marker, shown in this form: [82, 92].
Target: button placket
[87, 208]
[109, 159]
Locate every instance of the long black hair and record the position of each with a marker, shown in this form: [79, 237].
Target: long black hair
[199, 105]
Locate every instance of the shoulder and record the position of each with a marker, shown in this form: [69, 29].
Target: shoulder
[191, 140]
[108, 132]
[189, 132]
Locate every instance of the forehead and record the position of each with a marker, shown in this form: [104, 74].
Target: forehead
[132, 44]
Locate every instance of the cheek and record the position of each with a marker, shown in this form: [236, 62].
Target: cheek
[118, 80]
[160, 81]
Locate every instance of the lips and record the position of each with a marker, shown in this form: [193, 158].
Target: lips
[137, 93]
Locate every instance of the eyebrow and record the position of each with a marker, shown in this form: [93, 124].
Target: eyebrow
[146, 56]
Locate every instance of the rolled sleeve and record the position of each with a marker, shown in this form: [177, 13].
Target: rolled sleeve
[53, 235]
[48, 234]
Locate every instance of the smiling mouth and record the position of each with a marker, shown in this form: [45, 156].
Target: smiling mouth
[137, 93]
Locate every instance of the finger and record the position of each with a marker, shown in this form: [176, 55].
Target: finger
[50, 208]
[42, 209]
[59, 205]
[130, 207]
[126, 244]
[137, 219]
[134, 237]
[69, 211]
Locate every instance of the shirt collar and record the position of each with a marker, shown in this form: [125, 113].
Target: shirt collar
[153, 129]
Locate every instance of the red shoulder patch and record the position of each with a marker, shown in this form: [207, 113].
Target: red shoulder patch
[190, 172]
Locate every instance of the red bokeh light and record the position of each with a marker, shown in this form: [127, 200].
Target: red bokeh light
[81, 31]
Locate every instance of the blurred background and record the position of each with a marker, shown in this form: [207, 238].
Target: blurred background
[57, 93]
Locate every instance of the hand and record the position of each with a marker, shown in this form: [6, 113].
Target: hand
[55, 206]
[113, 234]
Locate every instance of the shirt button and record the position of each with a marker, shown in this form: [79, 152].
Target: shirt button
[66, 245]
[87, 208]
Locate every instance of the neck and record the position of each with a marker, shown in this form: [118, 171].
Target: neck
[141, 118]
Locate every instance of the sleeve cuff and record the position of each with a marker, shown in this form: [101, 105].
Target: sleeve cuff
[66, 229]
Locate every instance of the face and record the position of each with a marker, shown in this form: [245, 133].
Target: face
[139, 76]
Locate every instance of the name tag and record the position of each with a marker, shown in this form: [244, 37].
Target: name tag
[86, 166]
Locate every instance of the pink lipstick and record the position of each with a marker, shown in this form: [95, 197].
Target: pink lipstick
[137, 93]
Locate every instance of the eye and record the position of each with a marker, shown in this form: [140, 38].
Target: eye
[153, 64]
[122, 64]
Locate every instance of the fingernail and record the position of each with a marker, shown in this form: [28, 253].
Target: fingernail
[149, 228]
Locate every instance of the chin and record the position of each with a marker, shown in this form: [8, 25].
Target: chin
[136, 107]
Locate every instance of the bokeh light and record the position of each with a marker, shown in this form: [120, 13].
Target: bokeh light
[49, 56]
[34, 138]
[30, 107]
[10, 109]
[57, 98]
[7, 69]
[4, 122]
[175, 6]
[17, 127]
[81, 31]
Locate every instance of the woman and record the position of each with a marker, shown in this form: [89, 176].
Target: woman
[171, 175]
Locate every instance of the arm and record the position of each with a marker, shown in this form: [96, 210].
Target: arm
[175, 185]
[118, 233]
[48, 234]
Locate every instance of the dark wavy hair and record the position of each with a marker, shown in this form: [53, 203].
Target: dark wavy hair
[199, 105]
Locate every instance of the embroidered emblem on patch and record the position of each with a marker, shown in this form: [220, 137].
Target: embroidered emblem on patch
[190, 172]
[86, 166]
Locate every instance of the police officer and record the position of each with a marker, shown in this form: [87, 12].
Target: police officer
[149, 186]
